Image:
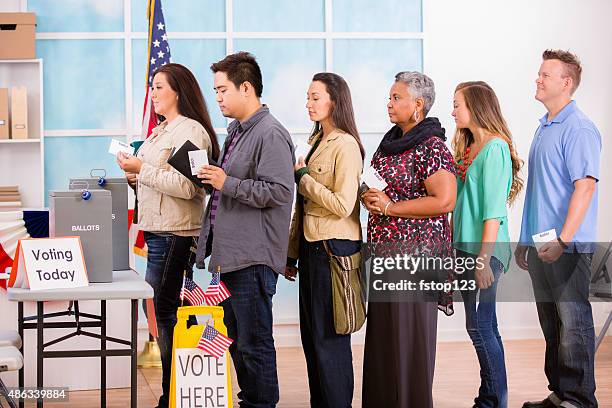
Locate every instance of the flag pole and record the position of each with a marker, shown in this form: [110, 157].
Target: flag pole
[183, 288]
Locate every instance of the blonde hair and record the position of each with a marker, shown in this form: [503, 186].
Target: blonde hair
[571, 65]
[485, 112]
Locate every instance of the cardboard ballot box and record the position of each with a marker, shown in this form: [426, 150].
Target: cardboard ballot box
[91, 219]
[17, 34]
[119, 195]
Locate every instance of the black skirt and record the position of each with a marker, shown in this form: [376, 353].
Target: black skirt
[399, 355]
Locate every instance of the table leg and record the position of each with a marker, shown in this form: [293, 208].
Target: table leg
[604, 329]
[39, 348]
[134, 346]
[21, 349]
[103, 356]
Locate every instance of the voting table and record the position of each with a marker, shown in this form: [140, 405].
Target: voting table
[126, 284]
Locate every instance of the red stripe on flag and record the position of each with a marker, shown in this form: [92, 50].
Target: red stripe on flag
[5, 262]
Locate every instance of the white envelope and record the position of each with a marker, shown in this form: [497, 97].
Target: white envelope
[301, 150]
[197, 159]
[117, 146]
[543, 237]
[372, 179]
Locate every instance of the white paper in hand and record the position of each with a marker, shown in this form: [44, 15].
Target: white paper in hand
[543, 237]
[197, 159]
[372, 179]
[117, 146]
[301, 150]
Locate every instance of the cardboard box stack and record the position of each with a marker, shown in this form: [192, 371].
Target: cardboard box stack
[17, 42]
[10, 199]
[17, 35]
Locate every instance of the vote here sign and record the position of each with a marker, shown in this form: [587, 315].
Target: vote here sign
[202, 381]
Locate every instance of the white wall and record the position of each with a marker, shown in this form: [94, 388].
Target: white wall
[9, 6]
[502, 43]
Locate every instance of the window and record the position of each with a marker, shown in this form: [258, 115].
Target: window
[94, 55]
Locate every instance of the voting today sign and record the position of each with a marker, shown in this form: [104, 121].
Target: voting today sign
[49, 263]
[201, 379]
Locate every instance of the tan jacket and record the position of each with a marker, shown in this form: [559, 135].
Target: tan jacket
[167, 200]
[331, 206]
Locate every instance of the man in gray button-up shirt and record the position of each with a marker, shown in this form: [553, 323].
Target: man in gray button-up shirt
[246, 223]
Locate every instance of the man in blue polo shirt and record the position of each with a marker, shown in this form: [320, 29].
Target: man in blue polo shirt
[562, 195]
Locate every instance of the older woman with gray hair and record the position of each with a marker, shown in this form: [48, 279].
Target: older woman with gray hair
[410, 216]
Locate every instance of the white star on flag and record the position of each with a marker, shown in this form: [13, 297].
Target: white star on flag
[165, 37]
[156, 43]
[160, 54]
[160, 26]
[152, 61]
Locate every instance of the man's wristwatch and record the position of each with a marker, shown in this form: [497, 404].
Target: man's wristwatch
[563, 244]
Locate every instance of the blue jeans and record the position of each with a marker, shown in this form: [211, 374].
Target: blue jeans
[168, 257]
[248, 318]
[329, 358]
[562, 299]
[481, 325]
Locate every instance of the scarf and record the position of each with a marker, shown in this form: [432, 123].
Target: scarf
[396, 142]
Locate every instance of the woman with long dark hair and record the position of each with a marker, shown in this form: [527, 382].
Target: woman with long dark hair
[170, 206]
[326, 218]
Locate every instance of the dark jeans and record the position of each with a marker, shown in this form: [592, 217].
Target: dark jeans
[168, 257]
[248, 318]
[481, 325]
[329, 359]
[562, 299]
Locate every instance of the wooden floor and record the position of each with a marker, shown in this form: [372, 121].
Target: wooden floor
[456, 380]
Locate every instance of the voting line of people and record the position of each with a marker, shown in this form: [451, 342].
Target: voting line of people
[248, 232]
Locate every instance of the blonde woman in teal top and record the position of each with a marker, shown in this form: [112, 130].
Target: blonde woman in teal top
[487, 181]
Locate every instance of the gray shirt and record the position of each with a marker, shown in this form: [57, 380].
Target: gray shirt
[254, 210]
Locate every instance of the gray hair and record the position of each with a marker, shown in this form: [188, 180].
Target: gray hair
[420, 85]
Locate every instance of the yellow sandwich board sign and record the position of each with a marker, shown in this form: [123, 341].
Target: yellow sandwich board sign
[199, 380]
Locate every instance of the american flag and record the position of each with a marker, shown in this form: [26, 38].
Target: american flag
[194, 294]
[216, 292]
[158, 55]
[213, 342]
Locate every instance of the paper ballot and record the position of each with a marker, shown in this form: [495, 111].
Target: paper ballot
[372, 179]
[543, 237]
[117, 146]
[301, 150]
[197, 159]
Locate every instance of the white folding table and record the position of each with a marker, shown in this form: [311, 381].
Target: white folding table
[126, 285]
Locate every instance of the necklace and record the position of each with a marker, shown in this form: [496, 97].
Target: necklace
[464, 165]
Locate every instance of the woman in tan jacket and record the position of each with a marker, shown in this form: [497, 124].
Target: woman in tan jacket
[327, 211]
[170, 206]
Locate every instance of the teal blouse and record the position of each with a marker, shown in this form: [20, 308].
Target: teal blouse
[483, 196]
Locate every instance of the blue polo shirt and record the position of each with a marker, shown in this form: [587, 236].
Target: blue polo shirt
[563, 150]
